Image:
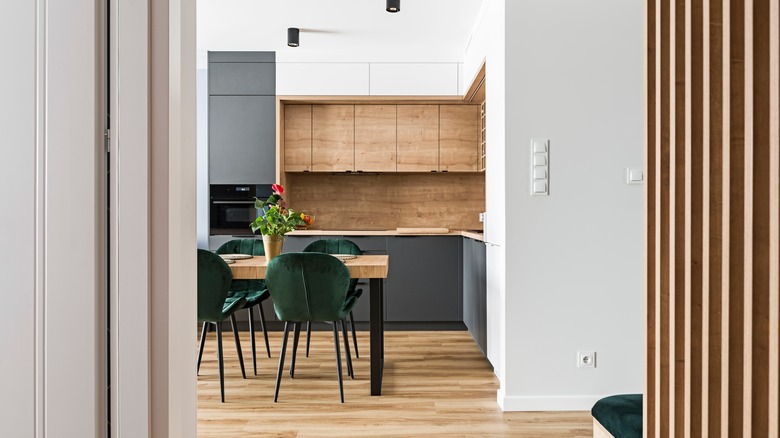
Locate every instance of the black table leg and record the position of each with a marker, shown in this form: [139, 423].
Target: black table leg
[377, 334]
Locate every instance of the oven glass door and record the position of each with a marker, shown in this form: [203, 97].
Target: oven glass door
[230, 217]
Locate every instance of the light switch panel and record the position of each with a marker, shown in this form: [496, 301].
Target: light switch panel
[634, 175]
[540, 167]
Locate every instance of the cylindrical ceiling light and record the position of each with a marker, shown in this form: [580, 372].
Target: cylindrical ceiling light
[293, 34]
[393, 6]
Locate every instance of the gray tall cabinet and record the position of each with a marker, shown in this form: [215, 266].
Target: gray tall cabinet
[242, 117]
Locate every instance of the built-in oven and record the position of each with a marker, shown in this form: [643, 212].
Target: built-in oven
[232, 207]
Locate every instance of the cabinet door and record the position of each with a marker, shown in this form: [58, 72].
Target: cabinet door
[297, 138]
[480, 270]
[423, 282]
[242, 78]
[298, 243]
[375, 139]
[242, 139]
[333, 138]
[459, 134]
[418, 138]
[369, 245]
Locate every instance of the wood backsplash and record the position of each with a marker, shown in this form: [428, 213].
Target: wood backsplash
[387, 201]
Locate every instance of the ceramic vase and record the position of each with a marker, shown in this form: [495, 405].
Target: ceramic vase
[273, 246]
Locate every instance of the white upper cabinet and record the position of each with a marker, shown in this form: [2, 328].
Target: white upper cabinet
[322, 79]
[414, 79]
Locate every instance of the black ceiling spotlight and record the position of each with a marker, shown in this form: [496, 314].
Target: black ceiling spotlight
[393, 6]
[292, 36]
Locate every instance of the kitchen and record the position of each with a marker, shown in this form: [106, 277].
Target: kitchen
[351, 123]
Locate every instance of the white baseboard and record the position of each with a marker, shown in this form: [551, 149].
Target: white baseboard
[546, 402]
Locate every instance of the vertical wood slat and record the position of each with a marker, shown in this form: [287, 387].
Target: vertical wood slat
[773, 409]
[693, 217]
[726, 206]
[757, 118]
[734, 287]
[747, 232]
[662, 221]
[648, 406]
[677, 216]
[714, 185]
[675, 213]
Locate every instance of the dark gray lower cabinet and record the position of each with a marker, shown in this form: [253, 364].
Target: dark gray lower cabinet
[424, 280]
[475, 291]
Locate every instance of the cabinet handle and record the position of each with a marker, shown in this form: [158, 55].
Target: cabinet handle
[232, 202]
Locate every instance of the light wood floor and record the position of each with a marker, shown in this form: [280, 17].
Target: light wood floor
[435, 384]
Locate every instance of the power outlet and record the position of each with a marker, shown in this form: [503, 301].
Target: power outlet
[482, 217]
[586, 359]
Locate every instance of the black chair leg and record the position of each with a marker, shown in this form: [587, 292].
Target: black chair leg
[233, 325]
[338, 359]
[221, 364]
[354, 334]
[252, 339]
[262, 327]
[281, 360]
[350, 371]
[202, 343]
[308, 337]
[296, 336]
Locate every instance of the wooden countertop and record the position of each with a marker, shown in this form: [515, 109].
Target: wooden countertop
[364, 266]
[476, 235]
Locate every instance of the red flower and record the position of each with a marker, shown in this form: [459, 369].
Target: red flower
[277, 188]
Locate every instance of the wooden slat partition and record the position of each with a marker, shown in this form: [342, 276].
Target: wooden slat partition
[713, 218]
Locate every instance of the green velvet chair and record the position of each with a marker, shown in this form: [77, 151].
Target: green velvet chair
[308, 287]
[214, 277]
[338, 246]
[253, 291]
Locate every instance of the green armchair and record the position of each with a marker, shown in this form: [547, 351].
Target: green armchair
[338, 246]
[308, 287]
[253, 291]
[214, 278]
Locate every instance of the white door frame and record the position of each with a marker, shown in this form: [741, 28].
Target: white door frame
[153, 257]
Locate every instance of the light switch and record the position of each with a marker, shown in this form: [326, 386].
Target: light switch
[634, 175]
[540, 167]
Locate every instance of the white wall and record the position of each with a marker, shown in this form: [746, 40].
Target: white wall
[487, 44]
[570, 275]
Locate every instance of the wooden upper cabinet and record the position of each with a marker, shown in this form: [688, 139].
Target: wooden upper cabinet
[297, 138]
[375, 139]
[459, 135]
[418, 138]
[333, 138]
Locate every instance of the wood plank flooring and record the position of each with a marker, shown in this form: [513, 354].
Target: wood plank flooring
[435, 384]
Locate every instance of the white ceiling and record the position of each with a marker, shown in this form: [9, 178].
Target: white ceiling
[339, 30]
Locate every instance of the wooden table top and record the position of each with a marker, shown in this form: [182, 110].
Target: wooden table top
[364, 266]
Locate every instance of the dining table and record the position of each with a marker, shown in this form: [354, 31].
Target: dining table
[372, 267]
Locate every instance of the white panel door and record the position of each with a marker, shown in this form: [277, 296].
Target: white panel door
[321, 79]
[410, 79]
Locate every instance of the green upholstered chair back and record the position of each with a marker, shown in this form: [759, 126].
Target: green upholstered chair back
[214, 278]
[307, 286]
[336, 246]
[244, 246]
